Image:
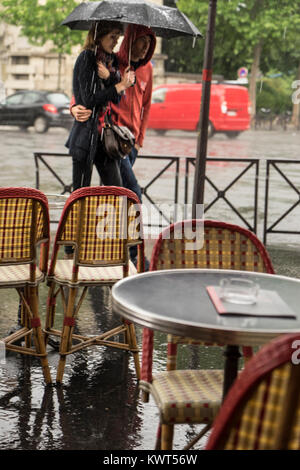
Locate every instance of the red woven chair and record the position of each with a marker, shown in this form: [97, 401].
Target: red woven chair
[101, 223]
[223, 246]
[262, 409]
[24, 227]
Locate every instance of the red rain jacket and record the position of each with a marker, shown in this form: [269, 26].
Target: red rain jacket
[134, 107]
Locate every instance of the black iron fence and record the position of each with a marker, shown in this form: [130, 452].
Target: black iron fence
[170, 166]
[40, 160]
[180, 169]
[222, 193]
[280, 169]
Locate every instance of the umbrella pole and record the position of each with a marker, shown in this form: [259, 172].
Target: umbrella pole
[130, 48]
[200, 168]
[87, 175]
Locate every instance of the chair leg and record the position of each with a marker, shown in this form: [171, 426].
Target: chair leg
[198, 437]
[50, 311]
[167, 433]
[38, 334]
[25, 317]
[134, 348]
[158, 438]
[171, 356]
[67, 332]
[247, 353]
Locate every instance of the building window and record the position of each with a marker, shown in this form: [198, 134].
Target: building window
[20, 60]
[21, 76]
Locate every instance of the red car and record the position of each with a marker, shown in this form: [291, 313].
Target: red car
[177, 106]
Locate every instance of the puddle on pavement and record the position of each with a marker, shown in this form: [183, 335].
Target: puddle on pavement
[98, 407]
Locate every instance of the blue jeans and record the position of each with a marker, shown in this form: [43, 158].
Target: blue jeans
[130, 182]
[127, 174]
[132, 156]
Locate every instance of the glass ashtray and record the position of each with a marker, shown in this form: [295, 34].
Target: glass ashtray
[239, 291]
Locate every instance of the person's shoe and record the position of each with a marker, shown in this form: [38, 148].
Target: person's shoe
[54, 344]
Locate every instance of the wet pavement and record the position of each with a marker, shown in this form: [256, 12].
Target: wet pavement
[98, 407]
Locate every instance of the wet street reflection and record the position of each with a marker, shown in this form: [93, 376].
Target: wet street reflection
[98, 407]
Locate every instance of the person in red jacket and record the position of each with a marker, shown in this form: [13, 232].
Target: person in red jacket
[133, 109]
[137, 49]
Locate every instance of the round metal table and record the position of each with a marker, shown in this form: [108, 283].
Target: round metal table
[176, 301]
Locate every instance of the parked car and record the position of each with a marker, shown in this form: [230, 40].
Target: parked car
[177, 106]
[40, 109]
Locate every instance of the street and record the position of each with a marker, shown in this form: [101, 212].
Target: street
[17, 148]
[18, 169]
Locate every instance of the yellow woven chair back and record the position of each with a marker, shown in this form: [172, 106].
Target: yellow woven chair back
[24, 222]
[209, 244]
[101, 225]
[262, 410]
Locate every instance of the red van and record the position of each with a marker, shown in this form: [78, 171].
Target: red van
[177, 106]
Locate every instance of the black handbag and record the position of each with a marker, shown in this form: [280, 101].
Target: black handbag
[117, 141]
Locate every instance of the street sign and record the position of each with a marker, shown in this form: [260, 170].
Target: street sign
[242, 72]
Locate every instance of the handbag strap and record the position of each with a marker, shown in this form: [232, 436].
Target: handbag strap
[107, 119]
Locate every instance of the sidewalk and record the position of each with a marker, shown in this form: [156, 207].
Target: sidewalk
[286, 261]
[99, 405]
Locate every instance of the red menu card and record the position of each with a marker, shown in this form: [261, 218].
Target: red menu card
[268, 304]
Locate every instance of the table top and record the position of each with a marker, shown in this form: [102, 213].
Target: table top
[176, 301]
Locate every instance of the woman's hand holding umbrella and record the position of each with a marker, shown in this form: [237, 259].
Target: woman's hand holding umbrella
[81, 113]
[128, 79]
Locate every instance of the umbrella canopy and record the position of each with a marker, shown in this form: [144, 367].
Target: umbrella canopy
[164, 21]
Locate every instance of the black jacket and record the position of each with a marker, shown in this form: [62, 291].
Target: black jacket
[93, 93]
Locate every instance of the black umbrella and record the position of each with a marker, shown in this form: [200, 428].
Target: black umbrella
[164, 21]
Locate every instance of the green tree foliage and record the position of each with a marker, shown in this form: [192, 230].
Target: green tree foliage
[239, 27]
[40, 21]
[258, 34]
[275, 93]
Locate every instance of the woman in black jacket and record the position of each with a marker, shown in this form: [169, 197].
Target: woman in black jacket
[96, 83]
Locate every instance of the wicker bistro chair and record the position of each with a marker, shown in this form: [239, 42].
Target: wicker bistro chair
[262, 409]
[101, 223]
[194, 396]
[24, 234]
[223, 246]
